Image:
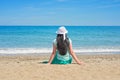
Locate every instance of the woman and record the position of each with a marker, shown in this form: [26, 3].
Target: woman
[62, 49]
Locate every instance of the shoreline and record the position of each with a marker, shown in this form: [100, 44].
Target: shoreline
[49, 50]
[49, 53]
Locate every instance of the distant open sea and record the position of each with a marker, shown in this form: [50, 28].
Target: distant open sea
[38, 39]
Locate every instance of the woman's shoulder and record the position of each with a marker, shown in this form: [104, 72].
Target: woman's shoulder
[54, 42]
[70, 40]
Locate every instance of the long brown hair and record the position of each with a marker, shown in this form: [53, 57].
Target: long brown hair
[62, 45]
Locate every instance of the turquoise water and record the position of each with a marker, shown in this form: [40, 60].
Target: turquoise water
[38, 39]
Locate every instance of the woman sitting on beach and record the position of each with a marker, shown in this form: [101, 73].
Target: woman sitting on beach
[62, 49]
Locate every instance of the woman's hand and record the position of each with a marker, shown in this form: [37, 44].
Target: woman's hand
[48, 63]
[80, 63]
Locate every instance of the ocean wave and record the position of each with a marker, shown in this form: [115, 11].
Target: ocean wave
[49, 50]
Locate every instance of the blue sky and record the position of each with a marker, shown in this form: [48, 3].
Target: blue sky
[60, 12]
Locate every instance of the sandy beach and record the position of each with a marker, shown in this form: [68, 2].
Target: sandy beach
[31, 67]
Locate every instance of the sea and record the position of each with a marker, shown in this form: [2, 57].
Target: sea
[39, 39]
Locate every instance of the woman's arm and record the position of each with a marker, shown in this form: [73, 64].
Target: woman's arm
[52, 55]
[73, 54]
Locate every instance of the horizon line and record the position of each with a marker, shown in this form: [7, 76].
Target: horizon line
[59, 25]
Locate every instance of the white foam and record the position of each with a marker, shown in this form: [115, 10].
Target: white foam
[24, 50]
[49, 50]
[97, 50]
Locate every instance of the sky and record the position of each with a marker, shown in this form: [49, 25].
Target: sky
[60, 12]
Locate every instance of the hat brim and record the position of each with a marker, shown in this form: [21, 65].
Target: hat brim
[61, 32]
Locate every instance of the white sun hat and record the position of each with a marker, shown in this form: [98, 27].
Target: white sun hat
[62, 30]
